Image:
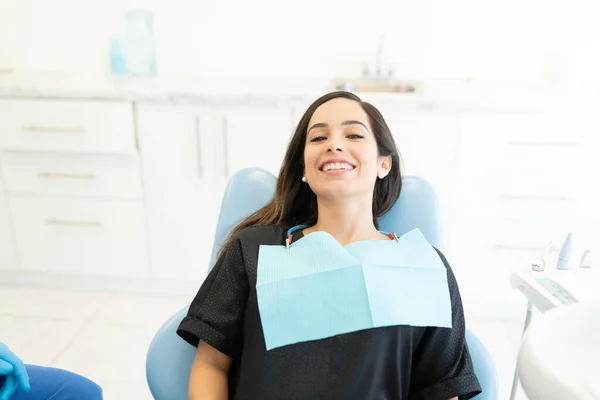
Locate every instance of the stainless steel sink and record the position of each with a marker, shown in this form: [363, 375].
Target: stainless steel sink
[376, 85]
[377, 78]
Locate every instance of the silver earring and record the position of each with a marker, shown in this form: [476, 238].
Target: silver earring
[304, 179]
[381, 176]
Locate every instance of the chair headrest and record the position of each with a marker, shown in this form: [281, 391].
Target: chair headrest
[252, 188]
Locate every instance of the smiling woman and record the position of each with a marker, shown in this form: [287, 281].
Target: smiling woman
[342, 156]
[334, 124]
[337, 315]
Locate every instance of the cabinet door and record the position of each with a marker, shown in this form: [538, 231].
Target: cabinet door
[8, 257]
[427, 141]
[182, 187]
[523, 184]
[298, 110]
[256, 137]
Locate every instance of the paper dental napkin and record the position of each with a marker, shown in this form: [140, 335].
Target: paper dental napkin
[320, 288]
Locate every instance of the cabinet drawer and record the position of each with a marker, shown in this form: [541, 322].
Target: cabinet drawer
[78, 126]
[72, 174]
[80, 236]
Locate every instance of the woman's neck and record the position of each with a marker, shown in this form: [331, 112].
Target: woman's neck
[347, 221]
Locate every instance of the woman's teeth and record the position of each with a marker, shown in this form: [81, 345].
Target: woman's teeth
[336, 166]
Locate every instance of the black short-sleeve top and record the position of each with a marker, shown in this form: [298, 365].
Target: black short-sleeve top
[396, 362]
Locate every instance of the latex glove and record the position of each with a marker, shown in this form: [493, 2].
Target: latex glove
[13, 368]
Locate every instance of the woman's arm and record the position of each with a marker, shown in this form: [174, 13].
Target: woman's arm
[214, 325]
[442, 364]
[208, 377]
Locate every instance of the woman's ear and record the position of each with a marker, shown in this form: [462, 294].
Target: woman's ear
[385, 166]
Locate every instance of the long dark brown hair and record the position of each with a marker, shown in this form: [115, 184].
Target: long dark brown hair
[295, 203]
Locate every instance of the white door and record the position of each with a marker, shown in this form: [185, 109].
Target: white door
[183, 186]
[256, 137]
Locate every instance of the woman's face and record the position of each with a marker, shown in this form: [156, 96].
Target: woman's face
[340, 155]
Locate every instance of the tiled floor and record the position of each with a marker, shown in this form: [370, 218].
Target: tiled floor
[502, 340]
[105, 336]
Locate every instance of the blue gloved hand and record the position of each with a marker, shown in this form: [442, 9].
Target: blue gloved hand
[14, 370]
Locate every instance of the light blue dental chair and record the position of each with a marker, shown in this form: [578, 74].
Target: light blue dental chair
[170, 358]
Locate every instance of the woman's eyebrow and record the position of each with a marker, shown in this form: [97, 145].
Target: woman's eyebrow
[353, 122]
[317, 125]
[324, 125]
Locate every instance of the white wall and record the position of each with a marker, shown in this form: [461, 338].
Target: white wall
[530, 41]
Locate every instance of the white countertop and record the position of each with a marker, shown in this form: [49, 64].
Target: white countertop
[92, 87]
[204, 91]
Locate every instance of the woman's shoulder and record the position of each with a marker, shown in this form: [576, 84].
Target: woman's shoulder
[262, 235]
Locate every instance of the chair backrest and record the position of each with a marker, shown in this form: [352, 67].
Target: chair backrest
[249, 190]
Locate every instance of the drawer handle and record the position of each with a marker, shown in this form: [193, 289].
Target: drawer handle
[53, 129]
[543, 144]
[225, 148]
[61, 175]
[510, 196]
[198, 146]
[66, 222]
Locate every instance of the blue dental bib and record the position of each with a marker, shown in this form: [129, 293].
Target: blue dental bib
[318, 288]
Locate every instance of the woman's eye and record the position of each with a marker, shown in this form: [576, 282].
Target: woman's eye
[318, 139]
[355, 136]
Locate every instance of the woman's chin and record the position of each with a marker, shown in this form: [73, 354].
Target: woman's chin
[336, 190]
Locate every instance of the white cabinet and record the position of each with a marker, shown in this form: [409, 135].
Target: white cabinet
[523, 182]
[427, 139]
[71, 188]
[183, 180]
[77, 197]
[188, 154]
[256, 137]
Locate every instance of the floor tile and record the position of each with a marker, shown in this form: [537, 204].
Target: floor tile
[137, 310]
[113, 356]
[37, 340]
[493, 334]
[51, 303]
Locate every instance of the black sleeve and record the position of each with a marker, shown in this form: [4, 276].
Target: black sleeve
[216, 314]
[442, 367]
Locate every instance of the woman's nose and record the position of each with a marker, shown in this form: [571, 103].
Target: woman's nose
[335, 145]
